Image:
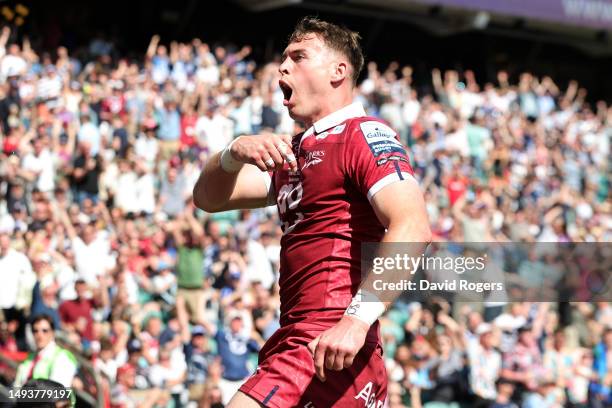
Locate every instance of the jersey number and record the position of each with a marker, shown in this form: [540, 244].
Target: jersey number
[289, 196]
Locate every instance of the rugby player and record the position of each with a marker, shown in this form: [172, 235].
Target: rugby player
[344, 181]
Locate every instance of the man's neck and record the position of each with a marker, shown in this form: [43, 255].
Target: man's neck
[49, 346]
[331, 106]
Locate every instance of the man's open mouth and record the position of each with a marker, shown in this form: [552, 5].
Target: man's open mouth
[287, 91]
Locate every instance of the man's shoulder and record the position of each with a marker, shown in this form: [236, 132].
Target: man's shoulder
[67, 305]
[371, 127]
[65, 356]
[362, 125]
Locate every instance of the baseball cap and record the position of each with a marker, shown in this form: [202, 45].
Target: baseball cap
[149, 124]
[198, 330]
[167, 336]
[483, 328]
[161, 265]
[234, 315]
[18, 207]
[134, 345]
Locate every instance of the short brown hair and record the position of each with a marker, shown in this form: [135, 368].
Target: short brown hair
[338, 38]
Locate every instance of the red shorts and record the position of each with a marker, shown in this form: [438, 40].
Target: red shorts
[286, 376]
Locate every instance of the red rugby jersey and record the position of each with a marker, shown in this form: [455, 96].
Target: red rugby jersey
[343, 160]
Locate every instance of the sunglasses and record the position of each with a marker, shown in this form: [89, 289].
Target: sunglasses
[41, 331]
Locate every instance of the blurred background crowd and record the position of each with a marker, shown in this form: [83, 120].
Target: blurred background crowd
[165, 305]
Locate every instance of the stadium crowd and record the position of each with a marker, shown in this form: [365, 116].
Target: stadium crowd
[99, 155]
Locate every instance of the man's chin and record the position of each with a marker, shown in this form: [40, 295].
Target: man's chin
[295, 114]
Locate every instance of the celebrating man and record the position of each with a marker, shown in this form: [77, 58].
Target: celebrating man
[344, 181]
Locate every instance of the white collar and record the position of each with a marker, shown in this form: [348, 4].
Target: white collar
[353, 110]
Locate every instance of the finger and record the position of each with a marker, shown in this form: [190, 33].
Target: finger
[260, 164]
[330, 357]
[275, 155]
[348, 360]
[319, 360]
[287, 153]
[312, 346]
[286, 138]
[268, 161]
[339, 361]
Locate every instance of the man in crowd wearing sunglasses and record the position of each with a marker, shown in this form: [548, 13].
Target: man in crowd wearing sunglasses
[49, 361]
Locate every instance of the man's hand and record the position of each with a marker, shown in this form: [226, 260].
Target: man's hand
[266, 151]
[336, 348]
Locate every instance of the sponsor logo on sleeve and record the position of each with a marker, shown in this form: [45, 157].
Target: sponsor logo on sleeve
[380, 138]
[384, 160]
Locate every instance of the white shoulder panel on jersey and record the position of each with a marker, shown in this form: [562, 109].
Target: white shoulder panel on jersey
[380, 138]
[376, 131]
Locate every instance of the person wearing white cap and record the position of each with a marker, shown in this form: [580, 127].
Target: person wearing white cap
[485, 362]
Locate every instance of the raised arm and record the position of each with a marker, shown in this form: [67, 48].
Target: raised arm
[152, 48]
[236, 178]
[62, 216]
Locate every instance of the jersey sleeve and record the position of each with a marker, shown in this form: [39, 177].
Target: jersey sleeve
[374, 157]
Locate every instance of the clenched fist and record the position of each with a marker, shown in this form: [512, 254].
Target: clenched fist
[266, 151]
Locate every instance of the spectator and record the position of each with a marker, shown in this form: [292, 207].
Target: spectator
[580, 377]
[63, 399]
[49, 361]
[91, 249]
[505, 390]
[188, 237]
[77, 314]
[542, 396]
[40, 166]
[86, 174]
[485, 366]
[523, 364]
[18, 279]
[233, 348]
[170, 128]
[198, 357]
[89, 135]
[122, 397]
[44, 294]
[172, 195]
[169, 374]
[147, 145]
[601, 387]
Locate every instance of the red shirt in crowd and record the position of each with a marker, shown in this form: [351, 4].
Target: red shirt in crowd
[188, 124]
[78, 312]
[457, 186]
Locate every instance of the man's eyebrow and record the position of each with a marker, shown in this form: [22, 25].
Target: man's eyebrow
[292, 52]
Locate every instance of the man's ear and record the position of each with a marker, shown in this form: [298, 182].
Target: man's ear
[340, 71]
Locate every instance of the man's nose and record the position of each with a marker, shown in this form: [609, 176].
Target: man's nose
[283, 68]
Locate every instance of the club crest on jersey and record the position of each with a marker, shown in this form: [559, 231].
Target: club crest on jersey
[380, 138]
[313, 158]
